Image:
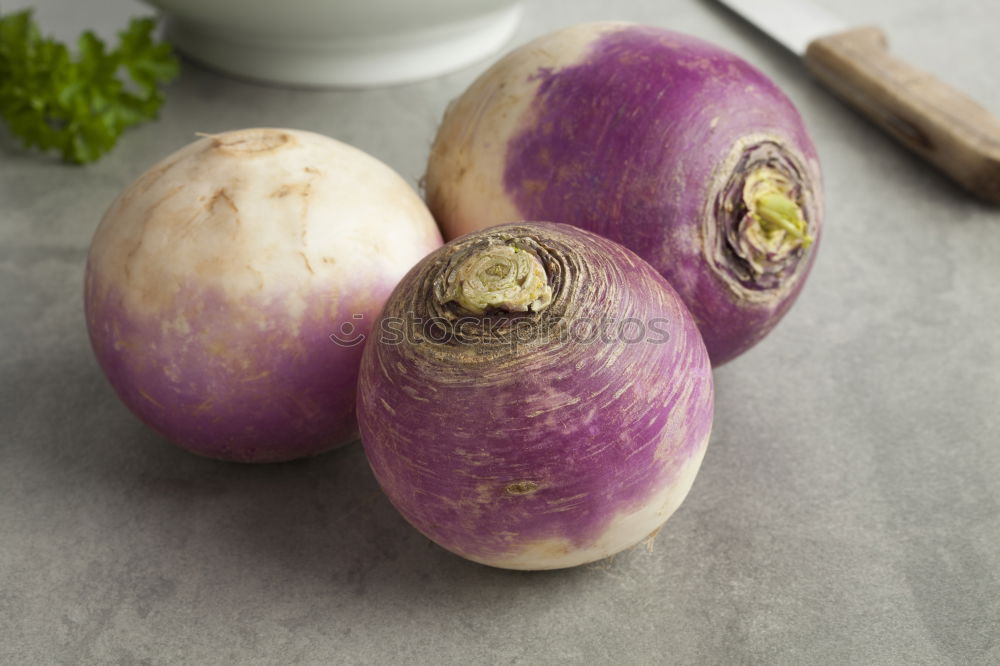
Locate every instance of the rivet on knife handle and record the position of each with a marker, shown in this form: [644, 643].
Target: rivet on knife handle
[933, 119]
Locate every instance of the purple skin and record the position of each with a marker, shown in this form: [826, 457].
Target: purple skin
[252, 398]
[490, 450]
[636, 142]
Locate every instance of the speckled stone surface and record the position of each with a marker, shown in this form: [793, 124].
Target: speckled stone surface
[848, 509]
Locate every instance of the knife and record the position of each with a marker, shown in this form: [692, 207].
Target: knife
[934, 120]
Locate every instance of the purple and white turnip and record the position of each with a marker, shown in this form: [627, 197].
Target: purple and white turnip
[674, 147]
[535, 397]
[215, 281]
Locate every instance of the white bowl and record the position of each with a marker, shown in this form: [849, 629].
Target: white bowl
[339, 42]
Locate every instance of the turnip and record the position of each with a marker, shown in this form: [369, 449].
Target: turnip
[229, 287]
[535, 397]
[669, 145]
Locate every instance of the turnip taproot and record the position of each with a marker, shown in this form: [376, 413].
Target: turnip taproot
[675, 148]
[215, 281]
[535, 397]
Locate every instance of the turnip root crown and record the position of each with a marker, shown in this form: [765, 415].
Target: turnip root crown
[504, 277]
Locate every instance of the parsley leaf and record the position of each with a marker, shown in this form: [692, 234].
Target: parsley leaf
[79, 106]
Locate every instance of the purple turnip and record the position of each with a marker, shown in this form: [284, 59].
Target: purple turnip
[216, 280]
[535, 397]
[676, 148]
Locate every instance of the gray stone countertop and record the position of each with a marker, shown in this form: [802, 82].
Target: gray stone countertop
[847, 512]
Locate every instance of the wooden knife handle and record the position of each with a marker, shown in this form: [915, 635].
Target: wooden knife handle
[933, 119]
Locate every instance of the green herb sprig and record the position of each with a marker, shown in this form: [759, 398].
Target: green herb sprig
[79, 106]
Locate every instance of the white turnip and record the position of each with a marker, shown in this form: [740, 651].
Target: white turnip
[669, 145]
[216, 280]
[535, 397]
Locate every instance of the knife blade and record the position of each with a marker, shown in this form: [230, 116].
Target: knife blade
[791, 23]
[939, 123]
